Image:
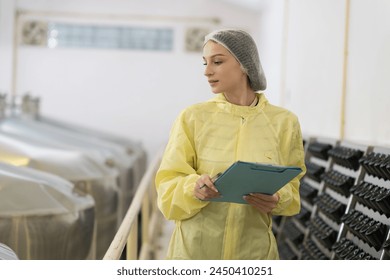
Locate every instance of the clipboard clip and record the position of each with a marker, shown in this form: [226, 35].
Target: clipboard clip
[271, 169]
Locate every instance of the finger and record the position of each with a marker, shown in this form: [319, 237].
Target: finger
[266, 197]
[205, 193]
[264, 206]
[208, 184]
[259, 199]
[261, 208]
[209, 193]
[199, 194]
[206, 196]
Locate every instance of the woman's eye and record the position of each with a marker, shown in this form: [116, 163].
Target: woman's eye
[214, 62]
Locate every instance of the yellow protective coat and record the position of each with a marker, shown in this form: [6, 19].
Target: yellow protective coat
[206, 139]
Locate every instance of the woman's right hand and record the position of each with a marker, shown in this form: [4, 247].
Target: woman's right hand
[205, 189]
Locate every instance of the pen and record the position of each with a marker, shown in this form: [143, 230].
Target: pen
[212, 179]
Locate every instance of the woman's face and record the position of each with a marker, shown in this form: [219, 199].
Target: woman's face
[222, 70]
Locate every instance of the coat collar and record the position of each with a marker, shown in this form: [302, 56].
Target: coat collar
[224, 105]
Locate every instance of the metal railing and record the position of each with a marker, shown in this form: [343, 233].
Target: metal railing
[139, 246]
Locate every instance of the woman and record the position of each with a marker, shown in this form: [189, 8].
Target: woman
[237, 124]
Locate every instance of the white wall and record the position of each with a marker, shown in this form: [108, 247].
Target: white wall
[314, 64]
[130, 93]
[314, 52]
[368, 92]
[6, 44]
[271, 32]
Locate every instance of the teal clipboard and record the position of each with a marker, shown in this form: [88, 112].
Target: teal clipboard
[242, 178]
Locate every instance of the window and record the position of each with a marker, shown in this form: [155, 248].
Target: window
[67, 35]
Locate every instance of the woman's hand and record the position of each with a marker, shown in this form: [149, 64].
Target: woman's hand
[263, 202]
[205, 189]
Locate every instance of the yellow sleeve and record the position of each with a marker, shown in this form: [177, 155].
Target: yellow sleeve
[292, 153]
[176, 177]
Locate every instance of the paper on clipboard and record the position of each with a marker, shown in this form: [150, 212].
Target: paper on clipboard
[242, 178]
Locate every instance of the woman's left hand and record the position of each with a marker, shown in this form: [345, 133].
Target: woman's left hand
[263, 202]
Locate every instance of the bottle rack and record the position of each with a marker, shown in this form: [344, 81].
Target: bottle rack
[316, 160]
[321, 227]
[365, 226]
[344, 172]
[345, 204]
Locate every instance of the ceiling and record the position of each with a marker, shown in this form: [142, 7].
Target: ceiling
[248, 4]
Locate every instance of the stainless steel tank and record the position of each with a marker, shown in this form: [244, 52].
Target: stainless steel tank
[50, 134]
[30, 108]
[87, 174]
[6, 253]
[43, 216]
[130, 147]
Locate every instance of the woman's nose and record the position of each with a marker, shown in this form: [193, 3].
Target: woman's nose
[207, 71]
